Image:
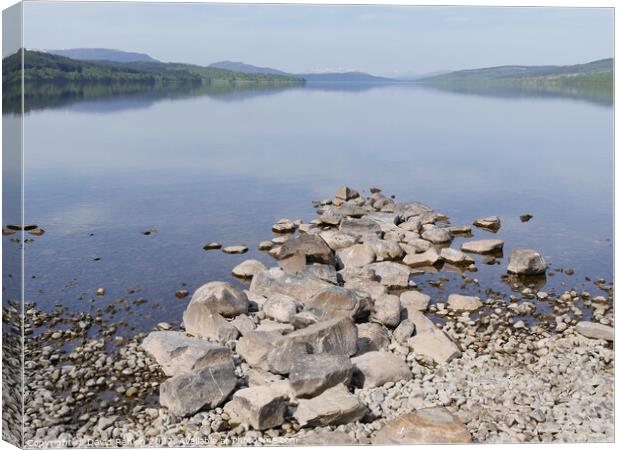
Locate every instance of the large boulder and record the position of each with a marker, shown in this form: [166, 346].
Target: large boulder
[415, 301]
[595, 330]
[525, 261]
[457, 302]
[202, 320]
[437, 235]
[312, 374]
[373, 289]
[407, 210]
[323, 272]
[483, 246]
[346, 193]
[206, 388]
[336, 301]
[179, 354]
[301, 286]
[336, 336]
[248, 268]
[333, 407]
[363, 228]
[429, 341]
[374, 369]
[337, 240]
[357, 255]
[425, 426]
[371, 337]
[270, 350]
[225, 298]
[391, 274]
[386, 310]
[385, 250]
[311, 245]
[261, 407]
[280, 307]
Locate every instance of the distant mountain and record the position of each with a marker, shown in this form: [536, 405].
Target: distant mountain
[414, 76]
[357, 77]
[245, 68]
[601, 69]
[102, 54]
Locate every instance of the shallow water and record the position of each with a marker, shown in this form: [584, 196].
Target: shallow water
[225, 168]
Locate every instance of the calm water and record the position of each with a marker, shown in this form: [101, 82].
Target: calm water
[203, 169]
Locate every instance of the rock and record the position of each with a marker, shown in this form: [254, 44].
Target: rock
[336, 336]
[387, 310]
[407, 210]
[362, 228]
[284, 226]
[212, 246]
[437, 235]
[333, 407]
[434, 425]
[385, 250]
[265, 245]
[181, 293]
[37, 231]
[331, 216]
[248, 268]
[595, 330]
[206, 388]
[371, 337]
[260, 377]
[490, 223]
[336, 301]
[391, 274]
[357, 255]
[460, 229]
[311, 245]
[414, 300]
[178, 353]
[483, 246]
[301, 286]
[374, 369]
[428, 258]
[457, 302]
[346, 193]
[524, 261]
[270, 350]
[202, 320]
[430, 341]
[337, 240]
[243, 324]
[456, 257]
[280, 307]
[373, 289]
[101, 291]
[235, 249]
[323, 272]
[525, 217]
[313, 374]
[261, 407]
[272, 325]
[323, 437]
[223, 297]
[403, 331]
[353, 273]
[415, 245]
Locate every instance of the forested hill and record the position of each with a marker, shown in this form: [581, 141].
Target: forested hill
[43, 67]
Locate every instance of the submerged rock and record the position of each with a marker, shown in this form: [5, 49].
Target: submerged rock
[525, 261]
[212, 246]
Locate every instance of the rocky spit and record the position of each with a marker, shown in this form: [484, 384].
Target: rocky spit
[336, 345]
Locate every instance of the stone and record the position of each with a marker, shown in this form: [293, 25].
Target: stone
[261, 407]
[483, 246]
[437, 235]
[403, 331]
[179, 354]
[270, 350]
[181, 293]
[385, 250]
[414, 300]
[371, 337]
[284, 226]
[313, 374]
[362, 228]
[323, 272]
[595, 330]
[260, 377]
[357, 255]
[337, 240]
[311, 245]
[272, 325]
[335, 406]
[407, 210]
[202, 320]
[206, 388]
[490, 223]
[235, 249]
[331, 216]
[387, 310]
[428, 258]
[374, 369]
[373, 289]
[525, 261]
[301, 286]
[434, 425]
[525, 217]
[352, 273]
[243, 324]
[280, 307]
[336, 301]
[391, 274]
[212, 246]
[457, 302]
[454, 256]
[224, 298]
[429, 341]
[336, 336]
[248, 268]
[460, 229]
[346, 193]
[265, 245]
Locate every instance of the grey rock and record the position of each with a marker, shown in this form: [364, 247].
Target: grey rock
[337, 240]
[225, 298]
[414, 300]
[374, 369]
[403, 331]
[595, 330]
[525, 261]
[386, 310]
[371, 337]
[385, 250]
[454, 256]
[336, 301]
[428, 258]
[407, 210]
[483, 246]
[243, 324]
[336, 336]
[491, 223]
[311, 245]
[391, 274]
[373, 289]
[437, 235]
[201, 319]
[333, 407]
[357, 255]
[235, 249]
[457, 302]
[270, 350]
[313, 374]
[323, 272]
[261, 407]
[248, 268]
[301, 286]
[346, 193]
[363, 228]
[429, 341]
[280, 307]
[284, 226]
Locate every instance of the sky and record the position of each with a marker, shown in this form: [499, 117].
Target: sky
[383, 40]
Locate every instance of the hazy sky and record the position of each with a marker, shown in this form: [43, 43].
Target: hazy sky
[299, 38]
